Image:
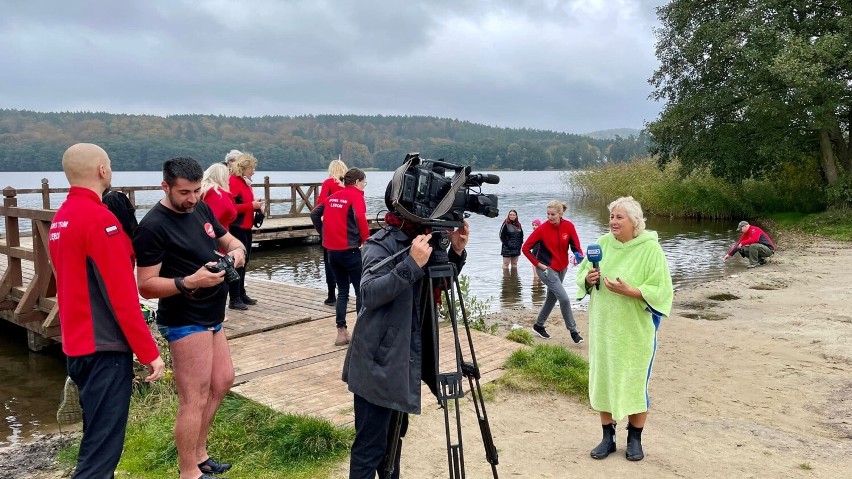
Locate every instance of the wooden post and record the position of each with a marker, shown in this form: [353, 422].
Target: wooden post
[13, 276]
[45, 194]
[266, 196]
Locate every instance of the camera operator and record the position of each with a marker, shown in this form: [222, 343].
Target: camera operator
[174, 243]
[383, 362]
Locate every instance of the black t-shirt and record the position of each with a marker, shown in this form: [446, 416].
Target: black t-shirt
[181, 243]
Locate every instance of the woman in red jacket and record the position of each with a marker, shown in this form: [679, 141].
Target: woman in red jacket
[342, 223]
[242, 169]
[216, 192]
[554, 238]
[333, 184]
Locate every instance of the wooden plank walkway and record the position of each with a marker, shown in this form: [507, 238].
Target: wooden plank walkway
[284, 354]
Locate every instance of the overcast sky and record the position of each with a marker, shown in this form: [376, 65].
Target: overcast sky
[572, 65]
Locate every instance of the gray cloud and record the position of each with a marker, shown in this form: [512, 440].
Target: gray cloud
[571, 66]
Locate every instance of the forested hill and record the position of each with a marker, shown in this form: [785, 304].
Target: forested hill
[32, 141]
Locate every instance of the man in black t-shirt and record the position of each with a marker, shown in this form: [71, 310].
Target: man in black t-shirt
[173, 243]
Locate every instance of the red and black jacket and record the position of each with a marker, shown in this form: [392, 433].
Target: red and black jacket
[342, 220]
[555, 241]
[753, 235]
[243, 197]
[96, 289]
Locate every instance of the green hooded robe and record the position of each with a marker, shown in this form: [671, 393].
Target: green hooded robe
[623, 330]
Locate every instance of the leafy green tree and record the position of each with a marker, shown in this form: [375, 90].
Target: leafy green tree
[749, 84]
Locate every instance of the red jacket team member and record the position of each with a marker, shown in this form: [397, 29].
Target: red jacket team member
[333, 184]
[554, 238]
[98, 309]
[242, 169]
[754, 244]
[215, 191]
[342, 223]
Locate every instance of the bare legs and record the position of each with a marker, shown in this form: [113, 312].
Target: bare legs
[510, 260]
[203, 374]
[638, 420]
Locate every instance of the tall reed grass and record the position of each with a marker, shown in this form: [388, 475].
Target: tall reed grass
[671, 192]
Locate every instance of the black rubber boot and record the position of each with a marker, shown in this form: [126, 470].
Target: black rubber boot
[607, 444]
[634, 443]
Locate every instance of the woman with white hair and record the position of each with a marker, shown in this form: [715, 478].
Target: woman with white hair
[625, 310]
[217, 194]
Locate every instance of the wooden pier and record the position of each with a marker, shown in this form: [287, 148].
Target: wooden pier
[287, 216]
[283, 347]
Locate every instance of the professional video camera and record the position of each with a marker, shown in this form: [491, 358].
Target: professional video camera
[422, 192]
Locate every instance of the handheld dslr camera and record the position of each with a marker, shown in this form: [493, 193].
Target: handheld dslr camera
[422, 192]
[226, 264]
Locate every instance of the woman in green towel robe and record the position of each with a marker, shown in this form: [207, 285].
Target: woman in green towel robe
[625, 310]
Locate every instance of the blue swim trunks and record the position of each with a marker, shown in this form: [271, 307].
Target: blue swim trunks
[173, 333]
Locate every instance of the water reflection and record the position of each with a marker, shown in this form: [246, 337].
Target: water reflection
[31, 386]
[510, 291]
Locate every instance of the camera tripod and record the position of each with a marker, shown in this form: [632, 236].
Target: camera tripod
[441, 275]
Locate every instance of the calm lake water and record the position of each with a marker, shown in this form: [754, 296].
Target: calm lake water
[31, 382]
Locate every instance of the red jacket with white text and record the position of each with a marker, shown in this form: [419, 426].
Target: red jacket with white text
[96, 288]
[342, 220]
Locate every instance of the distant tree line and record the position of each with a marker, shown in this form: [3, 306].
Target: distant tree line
[33, 141]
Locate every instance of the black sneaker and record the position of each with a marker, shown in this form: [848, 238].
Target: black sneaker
[212, 466]
[249, 301]
[541, 331]
[331, 300]
[576, 337]
[238, 305]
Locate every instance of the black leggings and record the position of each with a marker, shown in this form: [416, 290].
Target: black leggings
[238, 289]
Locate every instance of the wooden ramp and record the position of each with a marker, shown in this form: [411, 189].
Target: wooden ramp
[297, 369]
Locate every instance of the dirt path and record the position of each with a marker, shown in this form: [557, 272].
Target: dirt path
[759, 386]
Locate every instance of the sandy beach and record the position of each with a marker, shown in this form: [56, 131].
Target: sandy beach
[753, 379]
[756, 383]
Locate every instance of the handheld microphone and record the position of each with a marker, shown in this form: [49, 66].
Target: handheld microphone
[595, 255]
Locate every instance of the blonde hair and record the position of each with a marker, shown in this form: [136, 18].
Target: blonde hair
[336, 169]
[558, 206]
[215, 178]
[242, 163]
[633, 210]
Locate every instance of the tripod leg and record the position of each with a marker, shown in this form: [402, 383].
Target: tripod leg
[471, 371]
[393, 444]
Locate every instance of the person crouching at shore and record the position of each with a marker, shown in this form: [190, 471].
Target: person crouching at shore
[754, 244]
[631, 291]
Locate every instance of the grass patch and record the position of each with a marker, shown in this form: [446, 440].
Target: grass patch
[835, 224]
[548, 368]
[260, 442]
[521, 336]
[671, 192]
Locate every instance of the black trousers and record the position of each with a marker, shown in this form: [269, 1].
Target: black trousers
[104, 380]
[329, 273]
[373, 431]
[238, 289]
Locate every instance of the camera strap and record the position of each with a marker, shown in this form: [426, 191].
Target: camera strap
[459, 179]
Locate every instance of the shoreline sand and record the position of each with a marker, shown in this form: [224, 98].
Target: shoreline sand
[753, 379]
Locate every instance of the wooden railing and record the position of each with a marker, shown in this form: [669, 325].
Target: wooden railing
[302, 196]
[34, 306]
